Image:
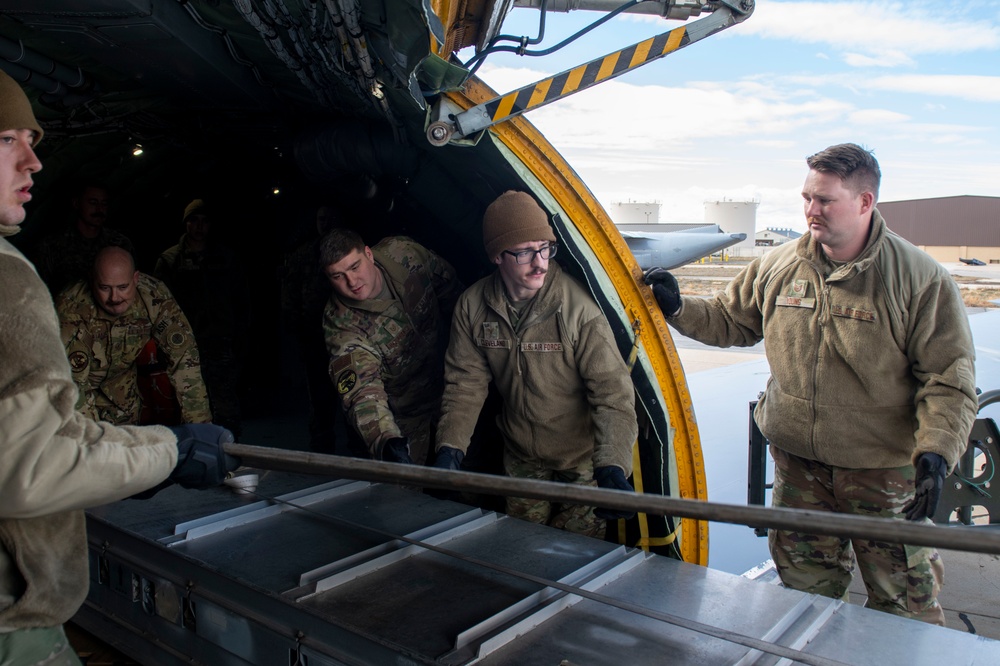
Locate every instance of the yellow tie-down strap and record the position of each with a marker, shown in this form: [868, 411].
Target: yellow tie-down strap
[645, 541]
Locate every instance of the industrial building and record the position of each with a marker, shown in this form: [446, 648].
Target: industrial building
[949, 228]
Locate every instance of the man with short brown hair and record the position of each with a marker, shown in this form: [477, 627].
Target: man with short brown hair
[872, 392]
[386, 329]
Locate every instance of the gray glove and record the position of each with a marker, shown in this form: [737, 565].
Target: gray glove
[665, 289]
[201, 461]
[931, 470]
[612, 477]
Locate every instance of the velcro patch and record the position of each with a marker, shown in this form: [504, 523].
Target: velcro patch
[541, 346]
[852, 313]
[794, 302]
[346, 381]
[78, 361]
[493, 344]
[341, 363]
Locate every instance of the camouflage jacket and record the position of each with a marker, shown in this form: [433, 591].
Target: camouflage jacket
[567, 394]
[68, 256]
[386, 355]
[102, 352]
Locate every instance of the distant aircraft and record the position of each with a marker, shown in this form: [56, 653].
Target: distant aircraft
[670, 249]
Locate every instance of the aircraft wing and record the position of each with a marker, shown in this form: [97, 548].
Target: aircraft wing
[672, 249]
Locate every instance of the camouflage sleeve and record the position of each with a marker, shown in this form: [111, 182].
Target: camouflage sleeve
[355, 370]
[78, 343]
[174, 336]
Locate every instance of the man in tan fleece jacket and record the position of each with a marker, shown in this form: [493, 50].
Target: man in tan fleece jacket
[872, 390]
[568, 401]
[57, 462]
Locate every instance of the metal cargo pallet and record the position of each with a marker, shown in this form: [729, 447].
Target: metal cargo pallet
[348, 572]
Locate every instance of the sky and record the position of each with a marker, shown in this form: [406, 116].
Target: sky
[734, 115]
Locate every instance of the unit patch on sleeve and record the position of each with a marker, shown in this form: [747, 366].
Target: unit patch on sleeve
[78, 361]
[346, 381]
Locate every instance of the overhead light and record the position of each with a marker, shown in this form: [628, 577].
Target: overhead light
[137, 150]
[276, 191]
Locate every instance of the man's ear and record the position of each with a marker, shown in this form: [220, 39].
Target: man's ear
[867, 202]
[497, 259]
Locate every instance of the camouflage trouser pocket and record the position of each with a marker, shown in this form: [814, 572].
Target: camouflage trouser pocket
[925, 575]
[47, 646]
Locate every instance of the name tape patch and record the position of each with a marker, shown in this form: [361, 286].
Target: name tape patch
[541, 346]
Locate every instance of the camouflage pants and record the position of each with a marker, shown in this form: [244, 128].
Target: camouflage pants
[37, 647]
[902, 580]
[570, 517]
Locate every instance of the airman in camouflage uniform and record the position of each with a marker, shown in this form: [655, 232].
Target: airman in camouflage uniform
[386, 328]
[107, 323]
[68, 256]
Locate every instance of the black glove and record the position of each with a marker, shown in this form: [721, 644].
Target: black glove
[448, 457]
[201, 462]
[612, 477]
[665, 289]
[397, 450]
[931, 469]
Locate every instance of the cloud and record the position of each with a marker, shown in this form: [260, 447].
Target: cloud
[959, 86]
[873, 28]
[884, 59]
[625, 117]
[876, 117]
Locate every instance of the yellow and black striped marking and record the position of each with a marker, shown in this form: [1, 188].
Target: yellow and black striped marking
[585, 76]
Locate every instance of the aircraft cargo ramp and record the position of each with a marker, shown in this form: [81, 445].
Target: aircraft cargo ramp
[320, 572]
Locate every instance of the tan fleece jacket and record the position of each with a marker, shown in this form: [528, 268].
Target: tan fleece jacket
[54, 461]
[872, 362]
[567, 394]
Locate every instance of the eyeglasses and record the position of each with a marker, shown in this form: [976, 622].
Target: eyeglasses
[527, 256]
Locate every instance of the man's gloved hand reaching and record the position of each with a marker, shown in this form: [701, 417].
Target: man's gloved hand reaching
[448, 457]
[397, 450]
[665, 289]
[612, 477]
[931, 470]
[201, 460]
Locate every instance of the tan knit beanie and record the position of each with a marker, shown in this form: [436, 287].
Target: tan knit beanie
[192, 208]
[514, 218]
[15, 109]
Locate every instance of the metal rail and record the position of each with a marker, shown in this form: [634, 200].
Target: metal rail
[972, 539]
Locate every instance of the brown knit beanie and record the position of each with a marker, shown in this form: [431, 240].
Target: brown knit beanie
[514, 218]
[15, 109]
[194, 207]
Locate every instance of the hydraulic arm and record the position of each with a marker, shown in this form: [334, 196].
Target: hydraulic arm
[448, 127]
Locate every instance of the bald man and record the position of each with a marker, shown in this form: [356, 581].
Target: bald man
[105, 324]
